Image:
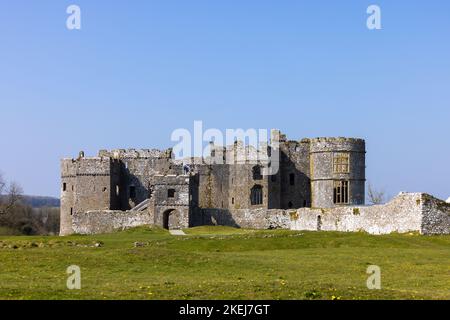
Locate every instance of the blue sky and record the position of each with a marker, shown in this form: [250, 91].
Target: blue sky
[137, 70]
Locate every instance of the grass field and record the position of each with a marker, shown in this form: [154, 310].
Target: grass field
[225, 263]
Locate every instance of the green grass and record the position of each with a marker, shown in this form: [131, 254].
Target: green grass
[5, 231]
[225, 263]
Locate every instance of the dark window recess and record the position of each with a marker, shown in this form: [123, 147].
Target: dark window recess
[290, 205]
[132, 192]
[292, 179]
[232, 200]
[305, 203]
[340, 192]
[257, 173]
[64, 186]
[273, 178]
[71, 211]
[256, 196]
[171, 193]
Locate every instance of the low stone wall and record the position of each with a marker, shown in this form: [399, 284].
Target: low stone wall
[95, 222]
[244, 218]
[402, 214]
[408, 212]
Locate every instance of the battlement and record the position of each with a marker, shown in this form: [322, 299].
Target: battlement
[339, 144]
[136, 154]
[336, 140]
[86, 166]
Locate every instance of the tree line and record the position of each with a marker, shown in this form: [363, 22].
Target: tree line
[19, 218]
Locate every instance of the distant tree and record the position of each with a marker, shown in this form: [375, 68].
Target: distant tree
[10, 195]
[21, 217]
[376, 196]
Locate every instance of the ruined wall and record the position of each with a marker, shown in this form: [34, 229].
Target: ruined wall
[295, 174]
[137, 168]
[408, 212]
[229, 186]
[106, 221]
[213, 185]
[436, 219]
[242, 180]
[260, 218]
[402, 214]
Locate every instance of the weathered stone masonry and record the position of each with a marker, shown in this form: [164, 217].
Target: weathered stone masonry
[320, 185]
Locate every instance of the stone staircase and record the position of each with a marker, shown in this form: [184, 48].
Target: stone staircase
[141, 206]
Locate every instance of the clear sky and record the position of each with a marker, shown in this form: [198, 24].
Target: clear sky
[137, 70]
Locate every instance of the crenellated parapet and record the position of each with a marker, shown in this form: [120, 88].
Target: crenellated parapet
[136, 154]
[337, 144]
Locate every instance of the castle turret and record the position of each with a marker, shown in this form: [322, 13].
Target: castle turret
[87, 184]
[337, 172]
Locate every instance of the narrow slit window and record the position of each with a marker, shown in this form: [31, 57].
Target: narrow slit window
[171, 193]
[132, 192]
[292, 179]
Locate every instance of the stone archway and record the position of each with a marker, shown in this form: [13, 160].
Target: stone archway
[171, 219]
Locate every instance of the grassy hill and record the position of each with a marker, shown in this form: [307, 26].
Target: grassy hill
[225, 263]
[40, 201]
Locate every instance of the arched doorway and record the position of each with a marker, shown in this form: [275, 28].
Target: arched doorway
[170, 219]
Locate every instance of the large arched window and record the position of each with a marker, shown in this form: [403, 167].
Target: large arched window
[256, 196]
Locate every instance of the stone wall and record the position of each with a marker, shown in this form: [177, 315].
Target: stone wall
[403, 214]
[243, 218]
[408, 212]
[95, 222]
[436, 218]
[294, 176]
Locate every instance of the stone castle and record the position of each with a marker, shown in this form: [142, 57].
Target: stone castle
[319, 184]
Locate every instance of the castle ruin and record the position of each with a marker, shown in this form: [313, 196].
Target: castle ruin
[319, 184]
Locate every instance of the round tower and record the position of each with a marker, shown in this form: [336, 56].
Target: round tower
[337, 172]
[68, 181]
